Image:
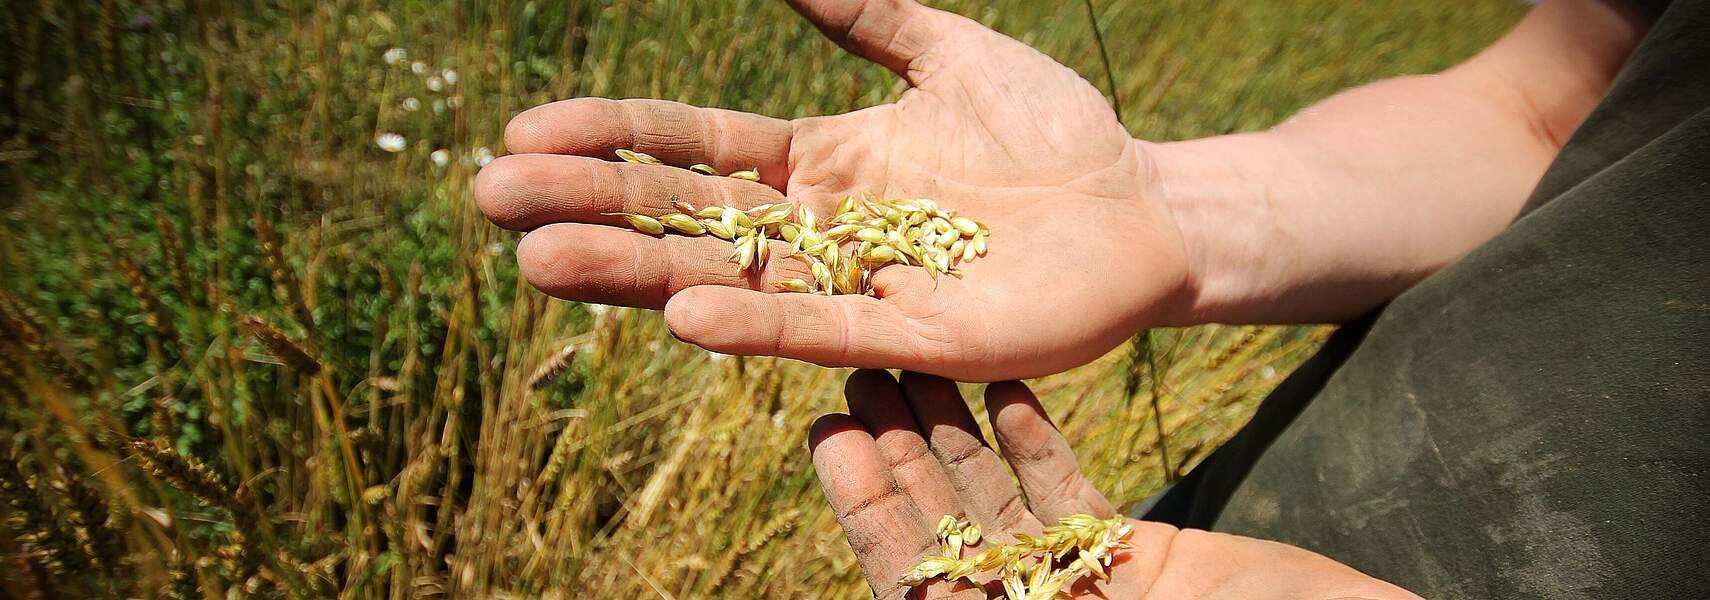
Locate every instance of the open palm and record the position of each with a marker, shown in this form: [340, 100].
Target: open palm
[909, 452]
[1079, 257]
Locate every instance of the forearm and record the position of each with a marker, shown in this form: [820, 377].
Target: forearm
[1353, 200]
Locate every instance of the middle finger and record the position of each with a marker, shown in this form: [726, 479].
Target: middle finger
[982, 482]
[524, 191]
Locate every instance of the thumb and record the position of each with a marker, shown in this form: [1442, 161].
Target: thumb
[893, 33]
[834, 331]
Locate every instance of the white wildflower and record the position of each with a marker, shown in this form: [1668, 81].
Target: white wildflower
[483, 156]
[410, 104]
[1268, 372]
[435, 83]
[394, 55]
[440, 157]
[450, 76]
[597, 310]
[716, 357]
[419, 68]
[390, 142]
[454, 102]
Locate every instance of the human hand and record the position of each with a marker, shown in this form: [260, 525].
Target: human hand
[1081, 254]
[910, 453]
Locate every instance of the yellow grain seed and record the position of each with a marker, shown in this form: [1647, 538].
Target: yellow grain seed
[683, 207]
[717, 229]
[642, 223]
[743, 256]
[727, 217]
[958, 249]
[775, 216]
[742, 218]
[1093, 566]
[967, 253]
[879, 254]
[640, 158]
[848, 278]
[792, 285]
[821, 275]
[683, 224]
[842, 232]
[978, 243]
[965, 225]
[748, 175]
[869, 234]
[947, 239]
[710, 212]
[702, 168]
[761, 249]
[789, 232]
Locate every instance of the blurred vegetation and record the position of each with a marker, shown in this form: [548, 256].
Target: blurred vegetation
[247, 352]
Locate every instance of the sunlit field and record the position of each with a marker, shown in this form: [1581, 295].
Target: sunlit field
[256, 341]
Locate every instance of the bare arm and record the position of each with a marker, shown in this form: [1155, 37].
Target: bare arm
[1319, 219]
[1353, 200]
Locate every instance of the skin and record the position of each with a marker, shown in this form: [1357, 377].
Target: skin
[1095, 236]
[910, 452]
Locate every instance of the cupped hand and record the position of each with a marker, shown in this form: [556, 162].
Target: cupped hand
[910, 452]
[1081, 256]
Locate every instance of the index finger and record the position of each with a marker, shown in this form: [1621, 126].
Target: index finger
[676, 133]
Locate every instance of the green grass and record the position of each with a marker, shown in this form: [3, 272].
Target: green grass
[144, 168]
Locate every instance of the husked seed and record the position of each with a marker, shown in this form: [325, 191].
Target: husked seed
[866, 234]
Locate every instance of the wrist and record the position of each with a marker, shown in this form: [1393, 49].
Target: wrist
[1222, 194]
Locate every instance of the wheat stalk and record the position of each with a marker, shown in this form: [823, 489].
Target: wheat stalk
[552, 367]
[281, 345]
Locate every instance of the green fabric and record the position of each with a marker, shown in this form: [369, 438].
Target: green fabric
[1532, 421]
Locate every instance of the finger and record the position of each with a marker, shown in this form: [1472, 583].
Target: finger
[838, 331]
[608, 265]
[524, 191]
[876, 400]
[885, 529]
[895, 34]
[675, 133]
[1040, 457]
[982, 483]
